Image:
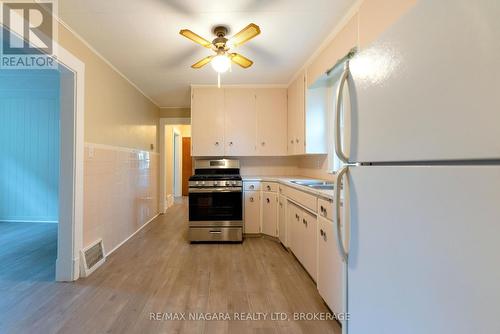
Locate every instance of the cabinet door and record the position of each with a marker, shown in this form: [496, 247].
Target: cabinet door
[271, 107]
[207, 121]
[282, 224]
[252, 211]
[294, 223]
[300, 129]
[310, 243]
[330, 266]
[240, 121]
[291, 116]
[270, 214]
[296, 116]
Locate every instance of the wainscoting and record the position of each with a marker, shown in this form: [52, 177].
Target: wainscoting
[120, 193]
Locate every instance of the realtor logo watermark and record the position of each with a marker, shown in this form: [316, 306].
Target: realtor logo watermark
[29, 34]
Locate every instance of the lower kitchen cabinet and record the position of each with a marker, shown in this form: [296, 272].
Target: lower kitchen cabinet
[330, 266]
[252, 211]
[303, 241]
[310, 240]
[282, 228]
[270, 213]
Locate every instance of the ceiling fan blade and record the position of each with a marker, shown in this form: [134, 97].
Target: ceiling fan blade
[202, 62]
[195, 38]
[246, 34]
[241, 60]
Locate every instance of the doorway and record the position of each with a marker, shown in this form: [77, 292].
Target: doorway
[174, 162]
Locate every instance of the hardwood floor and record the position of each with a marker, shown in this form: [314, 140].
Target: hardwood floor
[158, 271]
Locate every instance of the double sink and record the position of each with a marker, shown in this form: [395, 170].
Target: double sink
[320, 185]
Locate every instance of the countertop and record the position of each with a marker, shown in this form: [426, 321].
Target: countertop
[286, 180]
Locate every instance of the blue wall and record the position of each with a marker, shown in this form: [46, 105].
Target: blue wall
[29, 145]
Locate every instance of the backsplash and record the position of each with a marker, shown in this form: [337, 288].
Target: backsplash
[314, 166]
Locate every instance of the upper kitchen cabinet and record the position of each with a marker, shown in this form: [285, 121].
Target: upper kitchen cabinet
[271, 105]
[240, 121]
[375, 16]
[237, 121]
[207, 121]
[296, 116]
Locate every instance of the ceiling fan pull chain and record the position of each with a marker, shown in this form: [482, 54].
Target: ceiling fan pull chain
[218, 79]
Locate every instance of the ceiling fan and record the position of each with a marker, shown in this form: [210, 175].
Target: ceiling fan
[221, 45]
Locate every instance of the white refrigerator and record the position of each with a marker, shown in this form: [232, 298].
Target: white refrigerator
[421, 180]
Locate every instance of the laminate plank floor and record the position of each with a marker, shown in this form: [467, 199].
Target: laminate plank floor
[159, 271]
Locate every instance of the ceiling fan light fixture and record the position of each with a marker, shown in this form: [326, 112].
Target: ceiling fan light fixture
[221, 63]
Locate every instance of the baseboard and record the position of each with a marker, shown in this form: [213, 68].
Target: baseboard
[124, 241]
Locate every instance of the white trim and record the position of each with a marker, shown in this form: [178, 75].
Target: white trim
[124, 241]
[239, 86]
[353, 10]
[170, 200]
[176, 120]
[177, 157]
[117, 148]
[65, 25]
[70, 228]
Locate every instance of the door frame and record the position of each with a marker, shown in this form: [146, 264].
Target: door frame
[70, 227]
[163, 156]
[177, 163]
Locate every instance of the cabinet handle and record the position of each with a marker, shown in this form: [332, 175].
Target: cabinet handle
[263, 143]
[297, 216]
[268, 187]
[281, 204]
[321, 232]
[252, 186]
[251, 199]
[291, 141]
[216, 143]
[230, 143]
[268, 201]
[297, 140]
[304, 222]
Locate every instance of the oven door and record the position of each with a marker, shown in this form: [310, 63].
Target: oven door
[215, 205]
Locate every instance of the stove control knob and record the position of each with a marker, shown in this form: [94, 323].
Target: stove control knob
[228, 183]
[197, 182]
[216, 183]
[234, 183]
[202, 183]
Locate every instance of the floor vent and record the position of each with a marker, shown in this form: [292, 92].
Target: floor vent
[92, 258]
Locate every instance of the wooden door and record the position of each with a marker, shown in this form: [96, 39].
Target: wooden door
[240, 121]
[271, 108]
[207, 121]
[187, 164]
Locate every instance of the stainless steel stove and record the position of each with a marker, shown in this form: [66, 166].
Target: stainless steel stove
[216, 201]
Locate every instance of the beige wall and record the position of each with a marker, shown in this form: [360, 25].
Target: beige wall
[116, 113]
[175, 112]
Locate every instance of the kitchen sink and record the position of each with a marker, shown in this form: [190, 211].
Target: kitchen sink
[321, 185]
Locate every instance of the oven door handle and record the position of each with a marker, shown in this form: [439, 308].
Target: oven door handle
[216, 190]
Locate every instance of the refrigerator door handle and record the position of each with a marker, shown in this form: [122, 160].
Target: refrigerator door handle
[338, 105]
[340, 242]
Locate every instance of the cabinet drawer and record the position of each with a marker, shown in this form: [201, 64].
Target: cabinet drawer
[270, 186]
[251, 186]
[325, 208]
[304, 199]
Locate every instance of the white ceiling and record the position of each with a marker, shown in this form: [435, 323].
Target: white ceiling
[141, 38]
